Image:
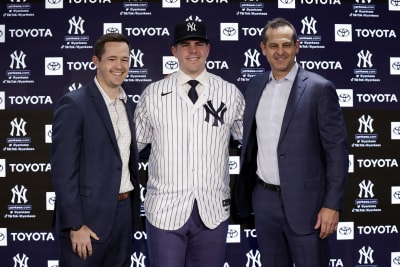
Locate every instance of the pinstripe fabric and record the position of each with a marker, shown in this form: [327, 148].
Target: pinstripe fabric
[190, 150]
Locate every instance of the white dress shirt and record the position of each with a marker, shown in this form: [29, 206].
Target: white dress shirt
[119, 118]
[269, 117]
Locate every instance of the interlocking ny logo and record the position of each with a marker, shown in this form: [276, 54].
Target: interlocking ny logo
[18, 127]
[18, 60]
[21, 262]
[308, 24]
[191, 27]
[365, 254]
[366, 188]
[76, 25]
[364, 59]
[253, 259]
[218, 114]
[252, 58]
[19, 194]
[366, 123]
[137, 58]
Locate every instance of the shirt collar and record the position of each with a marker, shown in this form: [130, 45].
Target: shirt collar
[290, 76]
[183, 78]
[121, 94]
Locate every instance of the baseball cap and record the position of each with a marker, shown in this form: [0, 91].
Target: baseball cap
[190, 30]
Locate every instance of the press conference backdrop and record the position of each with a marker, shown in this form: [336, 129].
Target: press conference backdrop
[46, 48]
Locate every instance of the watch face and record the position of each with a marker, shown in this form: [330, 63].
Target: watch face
[76, 228]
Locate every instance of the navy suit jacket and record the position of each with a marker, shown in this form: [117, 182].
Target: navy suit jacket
[86, 165]
[312, 150]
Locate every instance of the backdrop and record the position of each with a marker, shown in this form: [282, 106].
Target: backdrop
[45, 51]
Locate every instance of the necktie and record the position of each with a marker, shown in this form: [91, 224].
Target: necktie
[192, 92]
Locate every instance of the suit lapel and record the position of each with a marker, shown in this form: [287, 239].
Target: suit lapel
[296, 92]
[253, 94]
[101, 107]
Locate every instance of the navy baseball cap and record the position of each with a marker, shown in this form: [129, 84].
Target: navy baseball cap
[190, 30]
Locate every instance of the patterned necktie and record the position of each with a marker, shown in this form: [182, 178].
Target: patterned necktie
[192, 92]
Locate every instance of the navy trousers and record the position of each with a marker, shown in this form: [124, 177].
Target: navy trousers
[114, 252]
[279, 246]
[193, 245]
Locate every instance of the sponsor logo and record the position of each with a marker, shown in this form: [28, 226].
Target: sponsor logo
[171, 3]
[233, 235]
[366, 257]
[345, 231]
[343, 33]
[229, 31]
[170, 64]
[345, 97]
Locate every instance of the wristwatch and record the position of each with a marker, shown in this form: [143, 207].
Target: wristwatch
[76, 228]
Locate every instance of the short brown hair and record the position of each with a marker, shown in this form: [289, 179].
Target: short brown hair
[277, 23]
[108, 37]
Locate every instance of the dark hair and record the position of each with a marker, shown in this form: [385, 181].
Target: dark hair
[108, 37]
[277, 23]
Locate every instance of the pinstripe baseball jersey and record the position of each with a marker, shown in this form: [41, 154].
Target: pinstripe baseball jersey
[189, 148]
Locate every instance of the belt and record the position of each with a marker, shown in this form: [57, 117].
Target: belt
[273, 187]
[123, 196]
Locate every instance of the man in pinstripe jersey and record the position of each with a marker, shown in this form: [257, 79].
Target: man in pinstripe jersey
[187, 202]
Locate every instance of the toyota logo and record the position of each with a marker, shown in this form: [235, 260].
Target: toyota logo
[171, 65]
[286, 1]
[52, 200]
[343, 32]
[229, 31]
[53, 66]
[396, 260]
[396, 130]
[112, 30]
[344, 98]
[53, 2]
[344, 230]
[396, 195]
[232, 233]
[233, 165]
[396, 65]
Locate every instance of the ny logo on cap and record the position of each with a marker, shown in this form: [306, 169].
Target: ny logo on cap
[191, 27]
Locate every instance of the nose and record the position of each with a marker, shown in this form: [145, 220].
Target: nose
[120, 63]
[192, 48]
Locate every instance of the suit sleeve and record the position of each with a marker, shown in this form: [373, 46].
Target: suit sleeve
[333, 137]
[65, 155]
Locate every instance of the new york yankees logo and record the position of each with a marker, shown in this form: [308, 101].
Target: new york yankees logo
[218, 114]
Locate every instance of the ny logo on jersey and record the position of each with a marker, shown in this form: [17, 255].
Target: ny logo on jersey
[218, 114]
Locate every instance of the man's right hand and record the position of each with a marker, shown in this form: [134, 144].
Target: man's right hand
[81, 243]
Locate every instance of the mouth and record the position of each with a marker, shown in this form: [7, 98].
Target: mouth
[280, 58]
[192, 59]
[117, 73]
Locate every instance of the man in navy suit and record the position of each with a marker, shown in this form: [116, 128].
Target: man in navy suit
[294, 160]
[94, 162]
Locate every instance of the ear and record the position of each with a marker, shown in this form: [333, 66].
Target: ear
[262, 46]
[95, 60]
[173, 51]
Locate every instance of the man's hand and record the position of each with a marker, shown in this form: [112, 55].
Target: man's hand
[81, 243]
[327, 221]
